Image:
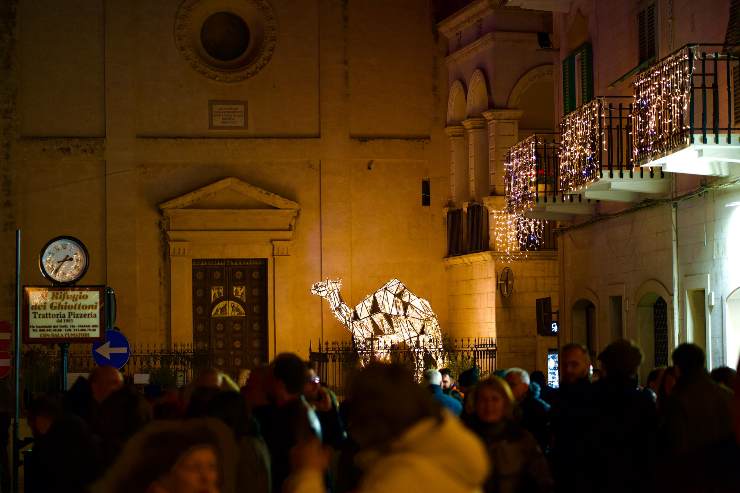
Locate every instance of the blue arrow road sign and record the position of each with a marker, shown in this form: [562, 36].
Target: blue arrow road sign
[114, 351]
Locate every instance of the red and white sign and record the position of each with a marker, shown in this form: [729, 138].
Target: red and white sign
[5, 360]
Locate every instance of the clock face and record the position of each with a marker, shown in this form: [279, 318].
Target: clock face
[64, 260]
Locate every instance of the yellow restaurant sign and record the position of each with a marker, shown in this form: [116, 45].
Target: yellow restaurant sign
[63, 314]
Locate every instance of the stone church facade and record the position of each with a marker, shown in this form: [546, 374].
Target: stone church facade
[218, 157]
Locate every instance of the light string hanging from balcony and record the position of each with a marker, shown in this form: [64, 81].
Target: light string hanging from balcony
[516, 234]
[582, 131]
[520, 176]
[662, 96]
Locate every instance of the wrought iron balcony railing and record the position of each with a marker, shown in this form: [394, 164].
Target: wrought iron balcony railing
[596, 142]
[531, 173]
[684, 99]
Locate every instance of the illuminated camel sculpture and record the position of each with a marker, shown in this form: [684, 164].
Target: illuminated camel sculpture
[390, 317]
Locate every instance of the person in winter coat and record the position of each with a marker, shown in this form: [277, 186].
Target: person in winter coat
[193, 456]
[406, 442]
[531, 411]
[253, 461]
[289, 419]
[517, 463]
[64, 457]
[433, 380]
[621, 442]
[571, 416]
[698, 412]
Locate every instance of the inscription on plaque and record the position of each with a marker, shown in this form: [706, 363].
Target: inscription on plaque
[227, 115]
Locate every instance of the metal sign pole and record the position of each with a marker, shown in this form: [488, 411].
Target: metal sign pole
[15, 440]
[64, 347]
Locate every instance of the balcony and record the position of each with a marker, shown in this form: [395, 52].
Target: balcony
[683, 119]
[596, 154]
[533, 182]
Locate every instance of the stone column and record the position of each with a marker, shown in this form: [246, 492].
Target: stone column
[503, 132]
[181, 300]
[458, 164]
[477, 157]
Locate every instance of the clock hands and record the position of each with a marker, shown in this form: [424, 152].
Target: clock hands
[60, 263]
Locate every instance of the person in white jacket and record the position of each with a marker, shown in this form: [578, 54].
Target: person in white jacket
[407, 442]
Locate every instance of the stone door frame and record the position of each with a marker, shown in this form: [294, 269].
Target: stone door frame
[193, 234]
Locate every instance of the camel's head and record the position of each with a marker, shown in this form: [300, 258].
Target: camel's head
[323, 288]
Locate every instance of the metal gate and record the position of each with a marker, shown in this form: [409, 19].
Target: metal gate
[230, 312]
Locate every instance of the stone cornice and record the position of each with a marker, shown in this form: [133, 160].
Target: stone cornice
[453, 131]
[465, 17]
[502, 258]
[469, 258]
[60, 148]
[503, 114]
[488, 40]
[474, 123]
[469, 49]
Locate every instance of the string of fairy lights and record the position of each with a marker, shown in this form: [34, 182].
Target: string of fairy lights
[520, 176]
[662, 96]
[582, 142]
[516, 234]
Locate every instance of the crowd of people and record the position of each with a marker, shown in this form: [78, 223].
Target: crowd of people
[284, 431]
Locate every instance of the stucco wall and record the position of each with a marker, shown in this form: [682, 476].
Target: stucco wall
[477, 307]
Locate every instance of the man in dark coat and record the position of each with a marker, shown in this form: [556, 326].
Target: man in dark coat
[288, 419]
[622, 440]
[533, 413]
[698, 412]
[571, 416]
[64, 457]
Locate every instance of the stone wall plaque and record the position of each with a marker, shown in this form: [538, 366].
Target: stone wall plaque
[227, 115]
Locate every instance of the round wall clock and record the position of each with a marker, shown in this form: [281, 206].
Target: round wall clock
[506, 282]
[63, 260]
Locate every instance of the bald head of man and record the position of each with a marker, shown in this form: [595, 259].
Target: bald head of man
[104, 380]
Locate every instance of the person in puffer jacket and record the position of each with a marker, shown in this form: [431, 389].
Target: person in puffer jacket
[407, 442]
[517, 462]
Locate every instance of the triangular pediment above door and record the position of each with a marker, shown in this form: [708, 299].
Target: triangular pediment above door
[229, 193]
[230, 204]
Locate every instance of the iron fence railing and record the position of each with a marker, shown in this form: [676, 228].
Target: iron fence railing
[684, 99]
[168, 366]
[596, 141]
[532, 174]
[336, 360]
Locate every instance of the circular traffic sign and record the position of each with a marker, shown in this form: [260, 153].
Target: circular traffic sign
[114, 351]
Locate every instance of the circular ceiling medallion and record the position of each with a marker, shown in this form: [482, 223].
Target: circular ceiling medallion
[226, 40]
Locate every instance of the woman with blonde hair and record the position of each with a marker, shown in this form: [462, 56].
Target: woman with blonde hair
[517, 463]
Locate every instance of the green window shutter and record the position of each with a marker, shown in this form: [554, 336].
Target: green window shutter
[587, 73]
[569, 86]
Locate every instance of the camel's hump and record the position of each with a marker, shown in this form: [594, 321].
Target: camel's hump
[395, 295]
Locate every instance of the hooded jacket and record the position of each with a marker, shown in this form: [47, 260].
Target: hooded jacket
[431, 456]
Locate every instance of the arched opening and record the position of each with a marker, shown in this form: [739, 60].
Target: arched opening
[652, 332]
[456, 111]
[477, 100]
[732, 330]
[583, 324]
[534, 96]
[456, 104]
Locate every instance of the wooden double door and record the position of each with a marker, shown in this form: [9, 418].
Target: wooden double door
[230, 312]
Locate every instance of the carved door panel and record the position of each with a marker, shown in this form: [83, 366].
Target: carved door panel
[230, 312]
